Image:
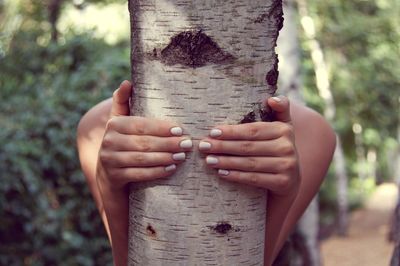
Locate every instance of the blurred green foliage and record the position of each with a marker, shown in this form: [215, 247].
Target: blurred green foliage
[47, 214]
[360, 40]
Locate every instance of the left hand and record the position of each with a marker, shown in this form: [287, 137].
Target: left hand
[261, 154]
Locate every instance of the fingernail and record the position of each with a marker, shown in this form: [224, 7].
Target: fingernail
[215, 132]
[204, 145]
[211, 160]
[223, 172]
[179, 156]
[170, 168]
[176, 131]
[276, 99]
[187, 143]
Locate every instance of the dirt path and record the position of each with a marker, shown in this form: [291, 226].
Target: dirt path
[366, 244]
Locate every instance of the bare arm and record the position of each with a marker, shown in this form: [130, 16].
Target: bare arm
[314, 140]
[315, 143]
[90, 133]
[115, 150]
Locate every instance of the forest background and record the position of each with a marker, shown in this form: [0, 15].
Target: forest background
[60, 57]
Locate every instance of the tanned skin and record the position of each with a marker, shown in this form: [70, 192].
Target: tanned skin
[288, 157]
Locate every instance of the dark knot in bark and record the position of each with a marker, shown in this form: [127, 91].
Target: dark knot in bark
[194, 49]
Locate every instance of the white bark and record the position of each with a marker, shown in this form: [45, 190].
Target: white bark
[290, 83]
[288, 49]
[397, 156]
[360, 152]
[309, 228]
[341, 187]
[195, 218]
[324, 90]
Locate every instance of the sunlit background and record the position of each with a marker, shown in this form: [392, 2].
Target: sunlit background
[60, 57]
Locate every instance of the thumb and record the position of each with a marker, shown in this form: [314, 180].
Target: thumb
[120, 102]
[281, 106]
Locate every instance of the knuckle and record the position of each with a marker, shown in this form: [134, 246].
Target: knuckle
[247, 147]
[108, 141]
[112, 123]
[286, 129]
[143, 144]
[282, 182]
[254, 131]
[139, 125]
[139, 158]
[289, 164]
[254, 179]
[105, 157]
[287, 147]
[252, 164]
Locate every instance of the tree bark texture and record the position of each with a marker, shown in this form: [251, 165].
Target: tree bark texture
[201, 63]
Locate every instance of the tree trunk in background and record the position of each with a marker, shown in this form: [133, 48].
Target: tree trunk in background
[54, 10]
[395, 227]
[201, 63]
[362, 168]
[290, 84]
[323, 86]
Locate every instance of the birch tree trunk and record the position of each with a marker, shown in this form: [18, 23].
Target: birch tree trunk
[395, 227]
[201, 63]
[290, 83]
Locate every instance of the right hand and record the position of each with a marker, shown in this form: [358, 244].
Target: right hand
[136, 148]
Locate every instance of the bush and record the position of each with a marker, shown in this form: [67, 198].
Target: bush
[48, 215]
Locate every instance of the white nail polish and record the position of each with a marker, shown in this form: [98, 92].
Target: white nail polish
[276, 99]
[215, 132]
[204, 145]
[170, 168]
[185, 144]
[223, 172]
[176, 131]
[211, 160]
[179, 156]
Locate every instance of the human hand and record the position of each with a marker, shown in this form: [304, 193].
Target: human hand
[261, 154]
[137, 149]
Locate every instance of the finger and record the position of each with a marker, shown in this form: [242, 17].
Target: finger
[140, 159]
[126, 175]
[274, 182]
[120, 102]
[135, 125]
[251, 164]
[273, 148]
[281, 106]
[121, 142]
[249, 131]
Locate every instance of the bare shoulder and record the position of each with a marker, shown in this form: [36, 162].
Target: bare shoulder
[315, 142]
[311, 127]
[93, 121]
[90, 133]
